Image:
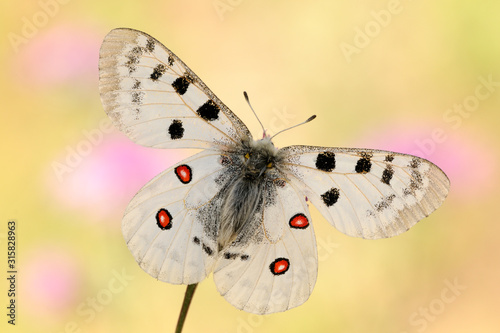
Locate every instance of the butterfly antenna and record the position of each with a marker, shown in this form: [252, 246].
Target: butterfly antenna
[302, 123]
[250, 105]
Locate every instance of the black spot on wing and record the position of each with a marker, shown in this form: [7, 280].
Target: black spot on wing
[137, 97]
[364, 164]
[414, 163]
[331, 196]
[389, 157]
[325, 161]
[170, 61]
[225, 160]
[416, 183]
[158, 71]
[150, 45]
[280, 182]
[207, 249]
[175, 130]
[233, 256]
[181, 85]
[385, 203]
[137, 85]
[133, 58]
[230, 256]
[209, 111]
[387, 175]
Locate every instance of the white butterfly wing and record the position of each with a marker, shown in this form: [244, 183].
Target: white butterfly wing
[166, 223]
[276, 269]
[153, 97]
[367, 193]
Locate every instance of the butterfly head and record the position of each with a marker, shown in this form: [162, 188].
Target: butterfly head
[260, 157]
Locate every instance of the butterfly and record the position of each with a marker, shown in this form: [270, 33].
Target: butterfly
[239, 208]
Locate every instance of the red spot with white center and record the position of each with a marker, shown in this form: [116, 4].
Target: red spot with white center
[164, 219]
[299, 221]
[279, 266]
[183, 172]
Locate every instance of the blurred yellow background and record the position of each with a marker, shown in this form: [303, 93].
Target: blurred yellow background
[420, 77]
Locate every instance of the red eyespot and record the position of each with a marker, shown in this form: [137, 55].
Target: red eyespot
[183, 172]
[299, 221]
[279, 266]
[164, 219]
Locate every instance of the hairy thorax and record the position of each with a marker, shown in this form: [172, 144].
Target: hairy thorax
[257, 162]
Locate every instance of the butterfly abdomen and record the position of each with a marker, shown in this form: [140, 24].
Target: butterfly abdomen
[238, 209]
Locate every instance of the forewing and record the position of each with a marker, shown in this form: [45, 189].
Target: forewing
[366, 193]
[276, 268]
[164, 227]
[153, 97]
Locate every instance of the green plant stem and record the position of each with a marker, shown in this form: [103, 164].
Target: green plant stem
[185, 306]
